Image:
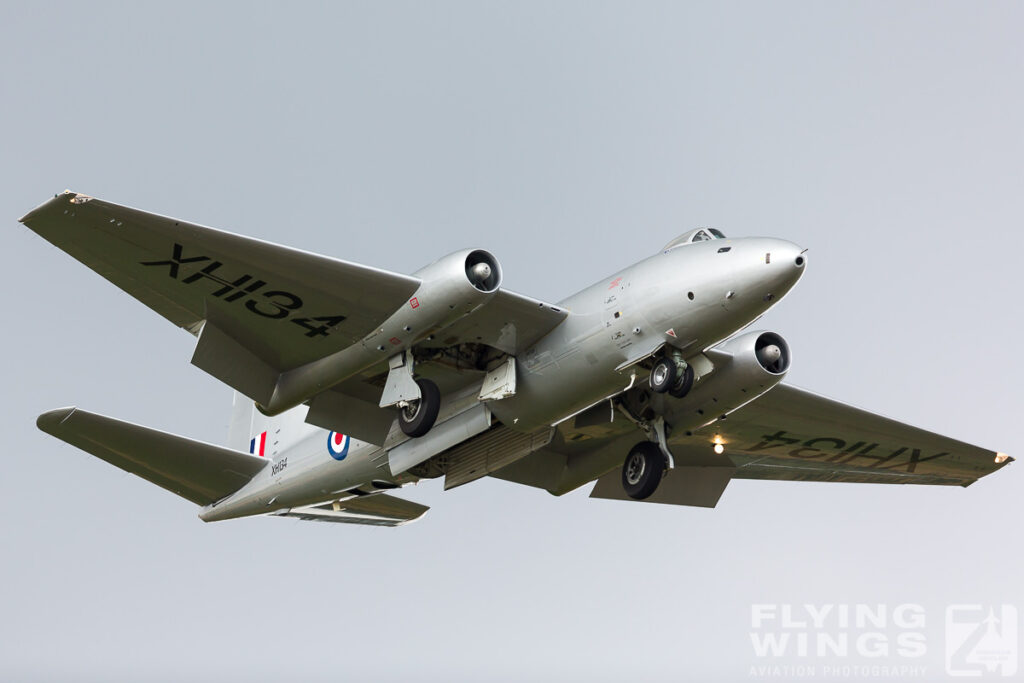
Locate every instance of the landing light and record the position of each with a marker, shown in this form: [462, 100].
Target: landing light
[1001, 458]
[719, 448]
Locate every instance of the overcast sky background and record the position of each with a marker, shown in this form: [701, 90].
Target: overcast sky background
[569, 139]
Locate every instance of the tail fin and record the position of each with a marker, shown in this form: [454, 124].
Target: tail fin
[240, 429]
[250, 431]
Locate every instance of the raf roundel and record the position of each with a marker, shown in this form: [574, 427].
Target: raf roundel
[337, 445]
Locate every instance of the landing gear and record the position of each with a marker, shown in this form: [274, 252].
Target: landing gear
[672, 376]
[643, 469]
[417, 417]
[663, 375]
[683, 384]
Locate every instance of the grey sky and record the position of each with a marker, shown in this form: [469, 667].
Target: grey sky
[569, 139]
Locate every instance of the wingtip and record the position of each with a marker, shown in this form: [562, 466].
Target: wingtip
[52, 419]
[76, 198]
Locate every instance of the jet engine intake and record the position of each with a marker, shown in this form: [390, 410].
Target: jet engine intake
[772, 353]
[754, 356]
[453, 287]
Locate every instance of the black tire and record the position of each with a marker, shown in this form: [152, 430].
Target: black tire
[683, 384]
[418, 417]
[643, 469]
[663, 375]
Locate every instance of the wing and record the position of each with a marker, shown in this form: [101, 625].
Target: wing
[793, 434]
[509, 322]
[786, 434]
[292, 305]
[378, 509]
[262, 309]
[199, 472]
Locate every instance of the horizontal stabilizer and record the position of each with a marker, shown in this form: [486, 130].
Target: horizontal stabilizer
[200, 472]
[379, 509]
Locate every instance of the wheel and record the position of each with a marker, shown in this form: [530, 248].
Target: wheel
[683, 384]
[643, 469]
[663, 375]
[418, 417]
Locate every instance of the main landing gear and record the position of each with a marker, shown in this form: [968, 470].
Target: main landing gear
[642, 472]
[671, 376]
[418, 400]
[418, 416]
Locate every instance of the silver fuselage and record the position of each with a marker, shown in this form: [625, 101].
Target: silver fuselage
[689, 297]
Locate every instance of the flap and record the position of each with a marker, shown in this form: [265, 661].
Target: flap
[339, 411]
[695, 486]
[698, 479]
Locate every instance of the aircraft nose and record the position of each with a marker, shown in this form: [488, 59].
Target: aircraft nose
[785, 263]
[788, 254]
[800, 258]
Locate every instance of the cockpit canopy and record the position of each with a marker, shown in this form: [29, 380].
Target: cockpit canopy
[698, 235]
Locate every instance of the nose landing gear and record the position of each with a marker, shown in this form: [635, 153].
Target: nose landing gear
[672, 376]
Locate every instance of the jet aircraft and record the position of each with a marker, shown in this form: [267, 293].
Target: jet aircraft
[351, 381]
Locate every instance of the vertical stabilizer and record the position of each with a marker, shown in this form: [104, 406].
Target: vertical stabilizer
[240, 427]
[250, 431]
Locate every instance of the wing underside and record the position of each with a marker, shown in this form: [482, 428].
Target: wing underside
[788, 434]
[793, 434]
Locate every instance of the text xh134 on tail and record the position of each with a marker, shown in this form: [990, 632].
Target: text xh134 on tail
[351, 381]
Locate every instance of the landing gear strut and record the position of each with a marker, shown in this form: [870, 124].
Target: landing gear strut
[642, 472]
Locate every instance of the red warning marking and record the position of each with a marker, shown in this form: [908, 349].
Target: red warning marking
[615, 283]
[671, 332]
[414, 302]
[395, 340]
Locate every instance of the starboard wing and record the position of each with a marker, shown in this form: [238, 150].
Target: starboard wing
[788, 434]
[794, 434]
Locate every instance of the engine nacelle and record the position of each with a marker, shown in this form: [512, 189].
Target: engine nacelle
[451, 288]
[745, 367]
[758, 356]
